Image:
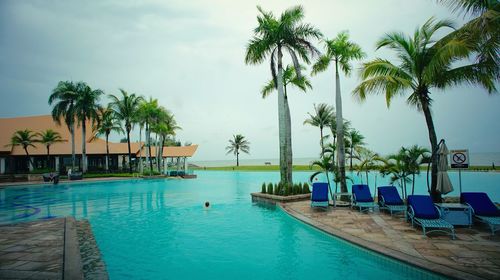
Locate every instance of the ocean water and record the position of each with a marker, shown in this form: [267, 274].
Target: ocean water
[483, 159]
[158, 229]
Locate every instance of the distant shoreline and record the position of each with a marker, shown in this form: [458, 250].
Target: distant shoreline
[263, 167]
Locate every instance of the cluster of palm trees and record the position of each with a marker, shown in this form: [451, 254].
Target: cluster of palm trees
[425, 61]
[27, 138]
[76, 103]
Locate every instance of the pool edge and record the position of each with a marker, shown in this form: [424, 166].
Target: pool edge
[400, 256]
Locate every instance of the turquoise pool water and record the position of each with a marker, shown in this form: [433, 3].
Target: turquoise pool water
[160, 230]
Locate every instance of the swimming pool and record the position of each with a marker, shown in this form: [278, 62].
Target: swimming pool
[159, 230]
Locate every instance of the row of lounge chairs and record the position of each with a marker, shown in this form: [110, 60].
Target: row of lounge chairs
[420, 209]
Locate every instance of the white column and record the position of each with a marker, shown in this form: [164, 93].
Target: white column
[57, 164]
[2, 165]
[31, 167]
[120, 161]
[185, 164]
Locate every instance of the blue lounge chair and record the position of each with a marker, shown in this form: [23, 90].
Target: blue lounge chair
[388, 198]
[362, 198]
[319, 196]
[423, 212]
[483, 209]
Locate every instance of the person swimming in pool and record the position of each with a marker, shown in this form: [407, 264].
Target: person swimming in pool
[207, 204]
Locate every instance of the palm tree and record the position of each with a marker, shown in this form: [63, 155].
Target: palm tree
[321, 118]
[125, 108]
[326, 163]
[423, 65]
[149, 112]
[341, 51]
[355, 141]
[416, 156]
[290, 77]
[24, 138]
[87, 109]
[64, 97]
[396, 165]
[107, 123]
[367, 161]
[271, 38]
[48, 138]
[482, 32]
[237, 144]
[165, 126]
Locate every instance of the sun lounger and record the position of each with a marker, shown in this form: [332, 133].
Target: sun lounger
[388, 198]
[423, 212]
[483, 208]
[319, 196]
[76, 176]
[362, 198]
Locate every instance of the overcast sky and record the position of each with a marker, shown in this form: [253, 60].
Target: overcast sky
[190, 56]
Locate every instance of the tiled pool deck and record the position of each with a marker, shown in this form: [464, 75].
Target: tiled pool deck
[474, 254]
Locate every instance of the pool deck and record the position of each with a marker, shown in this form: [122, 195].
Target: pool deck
[474, 254]
[40, 250]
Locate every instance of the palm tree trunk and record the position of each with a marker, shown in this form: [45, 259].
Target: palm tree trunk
[350, 165]
[84, 147]
[149, 151]
[288, 137]
[413, 184]
[237, 158]
[157, 153]
[162, 144]
[436, 196]
[140, 150]
[107, 153]
[321, 140]
[129, 152]
[285, 173]
[340, 131]
[73, 155]
[48, 157]
[29, 159]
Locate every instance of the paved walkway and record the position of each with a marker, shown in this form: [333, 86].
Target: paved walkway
[40, 250]
[474, 254]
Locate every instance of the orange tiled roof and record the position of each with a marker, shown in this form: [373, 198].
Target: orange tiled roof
[98, 146]
[174, 151]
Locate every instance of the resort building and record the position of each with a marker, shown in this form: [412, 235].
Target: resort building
[15, 160]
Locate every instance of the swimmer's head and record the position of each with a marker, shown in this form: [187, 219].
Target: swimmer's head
[207, 204]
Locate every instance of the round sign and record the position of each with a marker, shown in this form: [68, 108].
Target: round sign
[459, 158]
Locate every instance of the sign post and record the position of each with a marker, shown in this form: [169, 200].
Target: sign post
[459, 160]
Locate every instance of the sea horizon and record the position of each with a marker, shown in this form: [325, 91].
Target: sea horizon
[477, 159]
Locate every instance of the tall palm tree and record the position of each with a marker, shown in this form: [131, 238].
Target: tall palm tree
[271, 38]
[24, 138]
[125, 108]
[48, 138]
[332, 124]
[291, 78]
[321, 118]
[149, 112]
[87, 108]
[107, 123]
[165, 126]
[355, 140]
[63, 98]
[237, 144]
[423, 65]
[342, 52]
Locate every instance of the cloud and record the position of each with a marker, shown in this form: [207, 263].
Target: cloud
[190, 55]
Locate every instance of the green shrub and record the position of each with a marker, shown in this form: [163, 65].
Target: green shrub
[305, 188]
[263, 189]
[281, 191]
[270, 188]
[276, 189]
